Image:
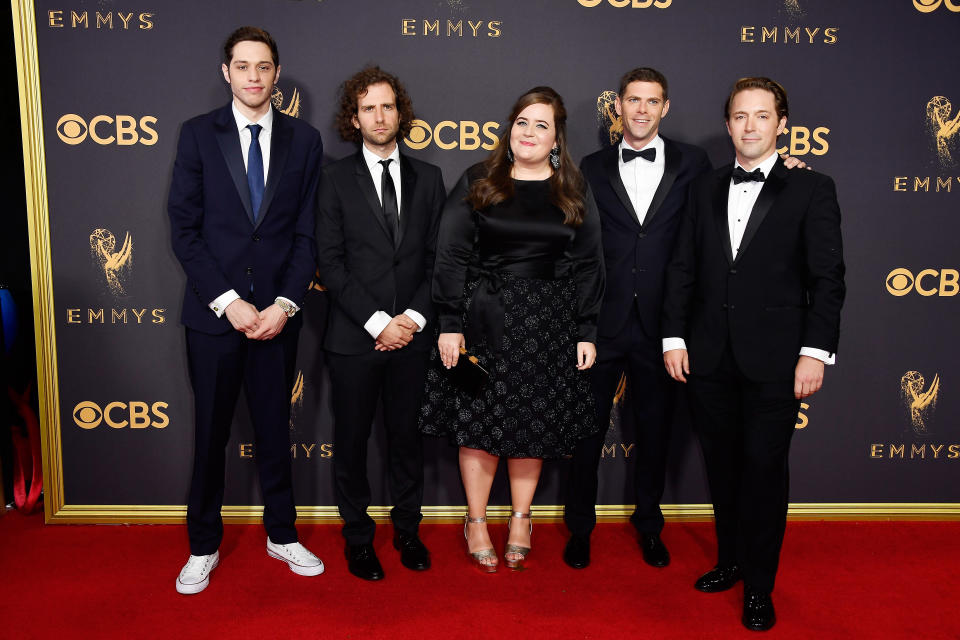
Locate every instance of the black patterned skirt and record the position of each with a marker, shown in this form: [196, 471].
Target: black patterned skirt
[535, 404]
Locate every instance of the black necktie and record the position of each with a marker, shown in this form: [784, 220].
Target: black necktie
[739, 175]
[647, 154]
[388, 197]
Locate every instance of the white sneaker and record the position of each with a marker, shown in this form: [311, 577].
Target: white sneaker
[297, 557]
[195, 575]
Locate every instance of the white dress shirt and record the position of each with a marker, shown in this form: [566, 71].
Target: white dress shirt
[641, 177]
[740, 200]
[380, 319]
[219, 305]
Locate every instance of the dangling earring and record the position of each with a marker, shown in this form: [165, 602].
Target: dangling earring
[509, 155]
[555, 158]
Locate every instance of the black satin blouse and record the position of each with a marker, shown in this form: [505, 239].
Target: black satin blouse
[525, 236]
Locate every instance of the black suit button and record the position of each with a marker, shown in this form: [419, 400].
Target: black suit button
[634, 294]
[633, 270]
[732, 307]
[396, 263]
[641, 235]
[724, 305]
[256, 238]
[249, 271]
[733, 272]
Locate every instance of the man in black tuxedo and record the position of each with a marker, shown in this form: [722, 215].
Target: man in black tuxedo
[376, 237]
[241, 205]
[640, 187]
[751, 314]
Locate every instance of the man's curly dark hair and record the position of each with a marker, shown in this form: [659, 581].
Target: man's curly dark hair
[355, 87]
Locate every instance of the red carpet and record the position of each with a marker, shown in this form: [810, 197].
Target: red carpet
[837, 580]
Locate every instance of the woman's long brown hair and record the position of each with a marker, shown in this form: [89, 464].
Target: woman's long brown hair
[566, 184]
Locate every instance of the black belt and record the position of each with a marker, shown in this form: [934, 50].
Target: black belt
[487, 311]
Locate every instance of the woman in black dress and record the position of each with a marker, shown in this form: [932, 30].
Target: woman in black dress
[518, 282]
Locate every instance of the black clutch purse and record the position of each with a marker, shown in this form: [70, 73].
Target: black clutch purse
[468, 375]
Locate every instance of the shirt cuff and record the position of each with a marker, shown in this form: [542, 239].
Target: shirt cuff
[416, 317]
[290, 302]
[219, 305]
[823, 356]
[669, 344]
[377, 323]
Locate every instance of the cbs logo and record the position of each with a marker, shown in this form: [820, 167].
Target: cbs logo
[464, 135]
[635, 4]
[946, 282]
[926, 6]
[104, 130]
[136, 415]
[800, 141]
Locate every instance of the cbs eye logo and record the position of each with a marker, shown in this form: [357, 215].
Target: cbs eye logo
[901, 281]
[464, 135]
[117, 415]
[926, 6]
[106, 130]
[635, 4]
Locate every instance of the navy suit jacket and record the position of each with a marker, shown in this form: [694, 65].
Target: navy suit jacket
[783, 291]
[363, 269]
[214, 235]
[636, 256]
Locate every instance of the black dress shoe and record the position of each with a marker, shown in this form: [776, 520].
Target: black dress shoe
[413, 553]
[362, 561]
[655, 552]
[758, 612]
[577, 552]
[718, 579]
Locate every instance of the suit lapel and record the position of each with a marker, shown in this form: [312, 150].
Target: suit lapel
[365, 182]
[613, 175]
[721, 194]
[229, 141]
[772, 187]
[280, 139]
[671, 169]
[408, 180]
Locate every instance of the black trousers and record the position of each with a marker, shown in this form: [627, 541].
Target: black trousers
[219, 366]
[357, 382]
[745, 428]
[653, 398]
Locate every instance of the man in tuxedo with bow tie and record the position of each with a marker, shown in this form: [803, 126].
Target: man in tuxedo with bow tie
[376, 237]
[640, 187]
[751, 315]
[241, 205]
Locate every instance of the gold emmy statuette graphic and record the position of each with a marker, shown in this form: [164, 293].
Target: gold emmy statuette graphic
[607, 115]
[296, 398]
[942, 127]
[115, 264]
[792, 7]
[293, 108]
[919, 402]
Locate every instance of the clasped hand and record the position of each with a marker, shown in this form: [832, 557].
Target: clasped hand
[397, 334]
[256, 325]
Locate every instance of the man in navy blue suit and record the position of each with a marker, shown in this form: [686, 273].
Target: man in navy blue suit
[640, 187]
[241, 205]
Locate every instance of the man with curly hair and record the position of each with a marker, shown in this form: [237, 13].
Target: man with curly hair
[376, 235]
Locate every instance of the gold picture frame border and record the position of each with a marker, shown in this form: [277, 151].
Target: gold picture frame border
[48, 393]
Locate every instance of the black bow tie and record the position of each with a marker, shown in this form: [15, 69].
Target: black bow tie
[739, 175]
[647, 154]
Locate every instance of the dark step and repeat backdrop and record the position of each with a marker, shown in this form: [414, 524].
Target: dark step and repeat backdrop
[871, 90]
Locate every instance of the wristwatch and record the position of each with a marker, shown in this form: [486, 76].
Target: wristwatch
[288, 308]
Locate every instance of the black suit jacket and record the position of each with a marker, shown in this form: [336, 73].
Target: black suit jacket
[636, 256]
[212, 224]
[364, 270]
[785, 289]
